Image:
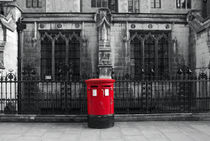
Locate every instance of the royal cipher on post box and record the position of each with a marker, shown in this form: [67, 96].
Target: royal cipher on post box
[100, 101]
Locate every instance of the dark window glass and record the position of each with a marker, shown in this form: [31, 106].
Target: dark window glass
[74, 57]
[163, 60]
[133, 6]
[46, 57]
[99, 3]
[34, 3]
[40, 3]
[111, 4]
[136, 58]
[130, 5]
[149, 57]
[60, 53]
[93, 3]
[155, 3]
[183, 4]
[104, 3]
[29, 3]
[189, 4]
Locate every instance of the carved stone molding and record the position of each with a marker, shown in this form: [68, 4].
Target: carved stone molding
[103, 20]
[196, 21]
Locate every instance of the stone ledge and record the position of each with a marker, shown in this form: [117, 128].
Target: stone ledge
[118, 118]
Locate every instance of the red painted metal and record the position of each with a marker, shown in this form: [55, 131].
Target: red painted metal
[100, 96]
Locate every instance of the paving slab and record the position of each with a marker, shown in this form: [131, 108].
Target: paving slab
[122, 131]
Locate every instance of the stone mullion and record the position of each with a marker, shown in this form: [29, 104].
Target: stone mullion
[142, 54]
[133, 6]
[53, 59]
[156, 57]
[67, 52]
[170, 54]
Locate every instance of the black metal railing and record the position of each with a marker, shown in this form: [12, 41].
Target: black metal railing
[162, 96]
[131, 96]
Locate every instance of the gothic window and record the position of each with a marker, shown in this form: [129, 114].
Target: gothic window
[33, 3]
[46, 57]
[149, 54]
[74, 55]
[163, 63]
[136, 58]
[60, 55]
[133, 6]
[183, 4]
[111, 4]
[155, 3]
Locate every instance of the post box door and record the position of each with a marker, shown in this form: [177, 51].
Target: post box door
[108, 98]
[93, 94]
[100, 101]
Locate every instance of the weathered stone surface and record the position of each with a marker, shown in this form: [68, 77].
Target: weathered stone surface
[62, 5]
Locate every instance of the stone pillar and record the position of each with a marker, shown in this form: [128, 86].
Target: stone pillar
[103, 20]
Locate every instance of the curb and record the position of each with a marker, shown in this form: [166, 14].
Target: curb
[118, 118]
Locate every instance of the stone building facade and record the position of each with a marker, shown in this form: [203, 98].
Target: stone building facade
[132, 37]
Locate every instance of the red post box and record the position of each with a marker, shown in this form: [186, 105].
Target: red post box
[100, 101]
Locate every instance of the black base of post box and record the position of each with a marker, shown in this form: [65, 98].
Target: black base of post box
[100, 121]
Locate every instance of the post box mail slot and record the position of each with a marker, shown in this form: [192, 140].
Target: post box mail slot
[106, 92]
[94, 92]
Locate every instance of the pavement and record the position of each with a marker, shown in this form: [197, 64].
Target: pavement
[122, 131]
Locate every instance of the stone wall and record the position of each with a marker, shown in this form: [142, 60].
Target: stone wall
[180, 33]
[119, 58]
[167, 6]
[86, 6]
[89, 63]
[119, 44]
[202, 51]
[123, 6]
[88, 50]
[121, 48]
[62, 5]
[31, 49]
